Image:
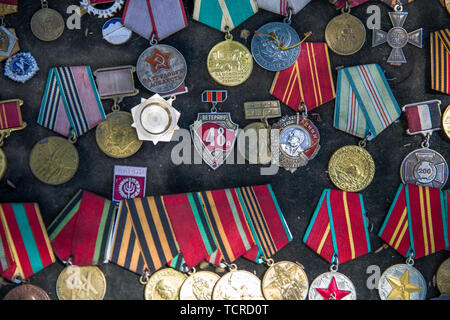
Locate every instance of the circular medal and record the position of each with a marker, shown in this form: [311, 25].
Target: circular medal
[199, 286]
[161, 68]
[285, 280]
[3, 164]
[238, 285]
[21, 67]
[267, 52]
[447, 5]
[446, 121]
[443, 277]
[116, 137]
[345, 34]
[27, 292]
[81, 283]
[230, 63]
[54, 160]
[332, 286]
[402, 282]
[255, 147]
[351, 168]
[164, 284]
[47, 24]
[114, 32]
[424, 167]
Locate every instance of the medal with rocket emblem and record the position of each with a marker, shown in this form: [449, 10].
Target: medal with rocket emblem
[214, 133]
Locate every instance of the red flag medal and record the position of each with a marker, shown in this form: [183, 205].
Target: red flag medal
[214, 133]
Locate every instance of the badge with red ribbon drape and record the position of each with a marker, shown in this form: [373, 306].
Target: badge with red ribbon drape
[24, 244]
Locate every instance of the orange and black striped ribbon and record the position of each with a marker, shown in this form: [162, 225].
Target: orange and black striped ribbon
[440, 61]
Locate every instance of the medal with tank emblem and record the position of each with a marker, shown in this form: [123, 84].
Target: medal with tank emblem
[294, 141]
[9, 44]
[214, 133]
[424, 166]
[397, 37]
[47, 24]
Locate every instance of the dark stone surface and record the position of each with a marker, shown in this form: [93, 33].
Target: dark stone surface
[297, 193]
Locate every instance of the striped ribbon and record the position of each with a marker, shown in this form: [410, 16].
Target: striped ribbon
[351, 3]
[282, 6]
[440, 60]
[308, 80]
[24, 245]
[447, 216]
[71, 101]
[393, 3]
[219, 14]
[416, 224]
[214, 96]
[338, 227]
[364, 101]
[8, 7]
[423, 117]
[82, 229]
[10, 114]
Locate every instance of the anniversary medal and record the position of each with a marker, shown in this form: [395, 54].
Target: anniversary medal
[129, 183]
[115, 136]
[47, 24]
[443, 277]
[27, 292]
[81, 283]
[214, 133]
[365, 106]
[424, 166]
[10, 121]
[446, 121]
[88, 5]
[415, 227]
[199, 285]
[164, 284]
[114, 32]
[440, 57]
[71, 106]
[9, 43]
[397, 37]
[338, 233]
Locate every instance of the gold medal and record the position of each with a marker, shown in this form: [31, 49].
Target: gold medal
[81, 283]
[229, 62]
[285, 280]
[3, 164]
[446, 121]
[443, 277]
[54, 160]
[447, 5]
[47, 24]
[255, 148]
[351, 168]
[345, 34]
[238, 285]
[199, 286]
[164, 284]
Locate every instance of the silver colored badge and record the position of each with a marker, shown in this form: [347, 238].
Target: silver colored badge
[402, 282]
[7, 42]
[161, 68]
[267, 52]
[114, 32]
[332, 286]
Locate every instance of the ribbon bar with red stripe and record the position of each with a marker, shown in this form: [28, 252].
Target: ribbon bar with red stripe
[8, 7]
[11, 114]
[423, 117]
[214, 96]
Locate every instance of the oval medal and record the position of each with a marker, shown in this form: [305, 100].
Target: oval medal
[47, 24]
[238, 285]
[164, 284]
[199, 286]
[115, 32]
[332, 286]
[285, 280]
[81, 283]
[267, 52]
[161, 68]
[27, 292]
[402, 282]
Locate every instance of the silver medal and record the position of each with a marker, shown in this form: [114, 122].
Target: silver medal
[402, 282]
[332, 286]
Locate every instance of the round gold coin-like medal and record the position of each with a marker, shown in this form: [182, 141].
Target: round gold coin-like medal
[255, 148]
[351, 168]
[81, 283]
[27, 292]
[47, 24]
[54, 160]
[3, 163]
[285, 280]
[238, 285]
[116, 137]
[447, 5]
[443, 277]
[199, 286]
[164, 284]
[446, 121]
[230, 63]
[345, 34]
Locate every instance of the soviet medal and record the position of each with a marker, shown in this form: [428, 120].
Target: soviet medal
[21, 67]
[9, 43]
[81, 283]
[88, 5]
[114, 32]
[47, 24]
[27, 292]
[332, 286]
[402, 282]
[214, 133]
[443, 277]
[446, 121]
[199, 285]
[164, 284]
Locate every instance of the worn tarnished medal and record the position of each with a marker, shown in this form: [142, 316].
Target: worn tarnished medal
[397, 37]
[47, 24]
[443, 277]
[446, 121]
[27, 292]
[81, 283]
[164, 284]
[214, 133]
[199, 285]
[115, 136]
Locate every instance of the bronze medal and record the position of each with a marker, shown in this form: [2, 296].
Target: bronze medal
[238, 285]
[164, 284]
[47, 24]
[446, 121]
[199, 286]
[443, 277]
[27, 292]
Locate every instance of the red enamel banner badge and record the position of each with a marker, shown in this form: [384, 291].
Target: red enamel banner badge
[81, 231]
[24, 244]
[308, 80]
[338, 228]
[129, 183]
[11, 114]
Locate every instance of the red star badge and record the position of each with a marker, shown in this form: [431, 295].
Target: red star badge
[159, 60]
[332, 292]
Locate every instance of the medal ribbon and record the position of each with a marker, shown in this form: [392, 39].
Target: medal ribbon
[364, 101]
[282, 6]
[24, 245]
[82, 229]
[71, 101]
[338, 227]
[393, 3]
[447, 217]
[8, 7]
[440, 60]
[351, 3]
[219, 14]
[416, 222]
[423, 117]
[308, 80]
[11, 115]
[154, 17]
[214, 96]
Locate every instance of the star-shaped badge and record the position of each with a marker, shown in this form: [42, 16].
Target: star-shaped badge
[401, 287]
[159, 60]
[332, 292]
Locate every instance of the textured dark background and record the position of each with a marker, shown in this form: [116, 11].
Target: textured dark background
[297, 193]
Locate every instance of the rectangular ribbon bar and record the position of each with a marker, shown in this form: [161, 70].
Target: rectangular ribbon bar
[219, 14]
[71, 101]
[282, 6]
[365, 103]
[82, 230]
[423, 117]
[351, 3]
[308, 80]
[8, 7]
[214, 96]
[440, 60]
[24, 245]
[11, 114]
[338, 228]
